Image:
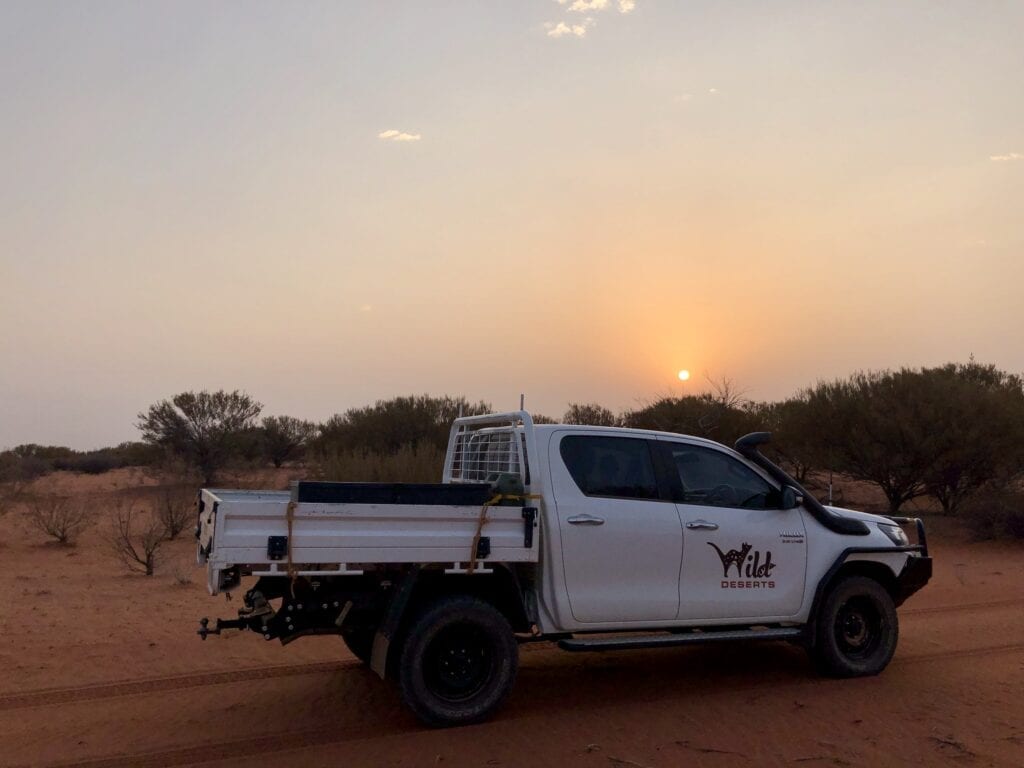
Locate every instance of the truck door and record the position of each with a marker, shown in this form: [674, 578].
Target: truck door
[743, 556]
[621, 541]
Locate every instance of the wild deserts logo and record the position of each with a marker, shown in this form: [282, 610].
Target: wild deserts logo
[747, 565]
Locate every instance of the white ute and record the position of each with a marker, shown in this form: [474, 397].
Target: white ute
[595, 538]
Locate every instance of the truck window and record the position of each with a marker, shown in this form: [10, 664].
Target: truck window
[610, 466]
[715, 479]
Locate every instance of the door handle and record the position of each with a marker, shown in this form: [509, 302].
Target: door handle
[702, 525]
[586, 520]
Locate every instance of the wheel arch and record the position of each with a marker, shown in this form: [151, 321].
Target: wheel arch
[500, 588]
[421, 586]
[843, 568]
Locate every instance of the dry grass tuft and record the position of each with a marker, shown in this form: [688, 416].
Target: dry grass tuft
[136, 537]
[410, 464]
[60, 518]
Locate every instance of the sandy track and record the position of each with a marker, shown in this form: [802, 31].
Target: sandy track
[105, 671]
[160, 684]
[51, 696]
[292, 739]
[733, 675]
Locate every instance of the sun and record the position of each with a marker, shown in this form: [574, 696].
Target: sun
[684, 375]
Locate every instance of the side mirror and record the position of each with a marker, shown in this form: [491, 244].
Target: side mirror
[791, 498]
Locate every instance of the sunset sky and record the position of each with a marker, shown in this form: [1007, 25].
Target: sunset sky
[329, 203]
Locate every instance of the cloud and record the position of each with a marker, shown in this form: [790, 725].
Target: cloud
[1007, 157]
[573, 29]
[561, 29]
[393, 135]
[583, 6]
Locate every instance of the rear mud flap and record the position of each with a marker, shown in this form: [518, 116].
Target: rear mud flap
[392, 622]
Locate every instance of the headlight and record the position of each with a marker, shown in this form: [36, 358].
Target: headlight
[895, 534]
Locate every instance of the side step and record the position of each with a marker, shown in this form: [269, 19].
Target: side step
[687, 638]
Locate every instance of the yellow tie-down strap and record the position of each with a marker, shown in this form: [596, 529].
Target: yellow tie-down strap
[496, 499]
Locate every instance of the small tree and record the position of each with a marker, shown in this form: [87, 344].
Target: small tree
[285, 437]
[136, 542]
[175, 509]
[59, 518]
[201, 427]
[981, 410]
[590, 413]
[875, 431]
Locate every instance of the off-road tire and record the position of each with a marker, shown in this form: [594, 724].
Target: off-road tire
[856, 629]
[458, 661]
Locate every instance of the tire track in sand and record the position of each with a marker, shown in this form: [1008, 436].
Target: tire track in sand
[314, 737]
[161, 684]
[52, 696]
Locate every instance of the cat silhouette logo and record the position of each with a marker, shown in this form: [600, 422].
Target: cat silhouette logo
[751, 573]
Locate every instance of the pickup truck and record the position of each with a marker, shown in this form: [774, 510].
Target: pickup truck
[593, 538]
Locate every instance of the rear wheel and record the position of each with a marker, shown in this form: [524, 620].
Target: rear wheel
[458, 662]
[857, 629]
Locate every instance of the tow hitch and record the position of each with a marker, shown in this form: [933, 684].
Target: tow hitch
[257, 615]
[313, 612]
[222, 624]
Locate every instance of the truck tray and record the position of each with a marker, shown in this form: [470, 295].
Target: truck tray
[342, 528]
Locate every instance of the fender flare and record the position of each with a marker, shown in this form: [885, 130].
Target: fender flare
[915, 574]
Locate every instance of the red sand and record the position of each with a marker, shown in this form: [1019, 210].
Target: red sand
[101, 668]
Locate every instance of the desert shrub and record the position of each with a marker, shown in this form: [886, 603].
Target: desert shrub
[590, 413]
[136, 537]
[27, 462]
[59, 518]
[388, 425]
[717, 417]
[996, 512]
[945, 431]
[22, 466]
[175, 509]
[90, 462]
[10, 467]
[409, 464]
[138, 454]
[10, 493]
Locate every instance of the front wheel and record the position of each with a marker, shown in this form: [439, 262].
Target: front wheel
[458, 662]
[857, 629]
